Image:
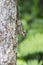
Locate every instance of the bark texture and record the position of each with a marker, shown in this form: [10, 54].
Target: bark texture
[9, 24]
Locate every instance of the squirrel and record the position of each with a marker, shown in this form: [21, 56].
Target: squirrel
[19, 25]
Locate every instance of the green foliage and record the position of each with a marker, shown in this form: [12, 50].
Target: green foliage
[30, 45]
[21, 62]
[30, 49]
[32, 62]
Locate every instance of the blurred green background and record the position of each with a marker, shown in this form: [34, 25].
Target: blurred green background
[30, 49]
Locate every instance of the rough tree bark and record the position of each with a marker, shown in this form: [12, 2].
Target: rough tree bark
[9, 24]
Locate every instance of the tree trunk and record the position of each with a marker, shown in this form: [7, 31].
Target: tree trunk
[9, 24]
